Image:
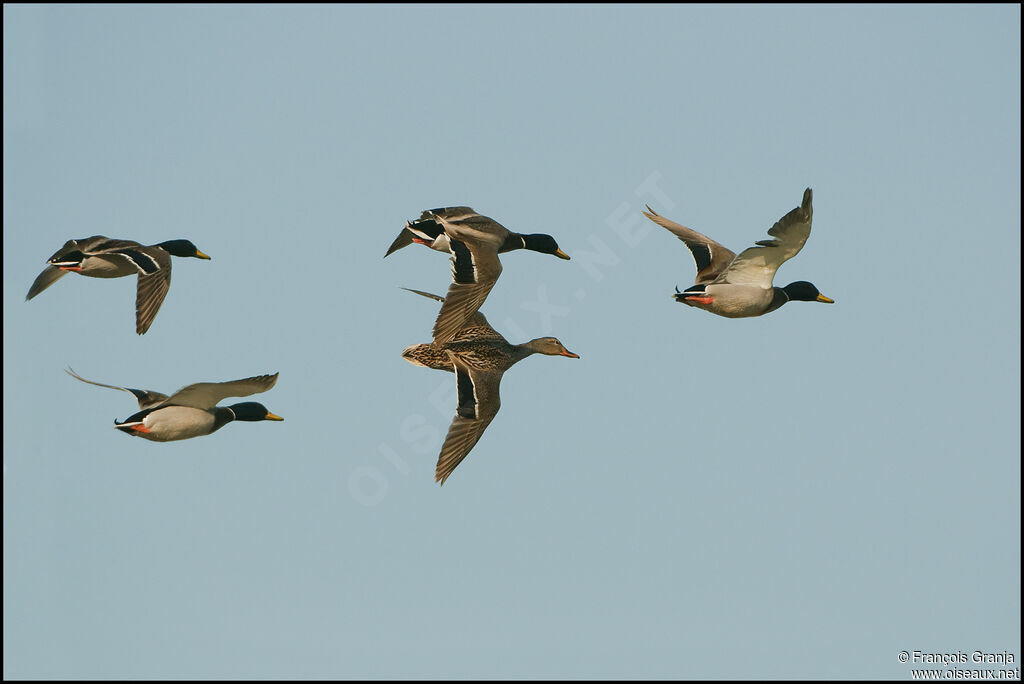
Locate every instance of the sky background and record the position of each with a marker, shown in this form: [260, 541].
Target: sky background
[804, 494]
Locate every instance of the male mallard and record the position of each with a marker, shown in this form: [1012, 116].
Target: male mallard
[102, 257]
[192, 411]
[475, 242]
[740, 286]
[479, 356]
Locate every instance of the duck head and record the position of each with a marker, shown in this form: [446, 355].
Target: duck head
[803, 291]
[545, 244]
[182, 248]
[550, 346]
[252, 411]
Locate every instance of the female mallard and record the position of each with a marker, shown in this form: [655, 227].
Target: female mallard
[475, 242]
[741, 286]
[192, 411]
[101, 257]
[479, 356]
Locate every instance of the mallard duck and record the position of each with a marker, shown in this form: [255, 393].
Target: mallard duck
[741, 286]
[102, 257]
[433, 354]
[479, 356]
[192, 411]
[474, 242]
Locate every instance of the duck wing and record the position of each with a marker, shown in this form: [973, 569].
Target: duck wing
[710, 257]
[427, 228]
[444, 215]
[475, 270]
[48, 277]
[73, 245]
[479, 402]
[153, 264]
[477, 320]
[146, 398]
[757, 265]
[205, 395]
[473, 241]
[91, 245]
[131, 253]
[104, 245]
[154, 282]
[404, 239]
[52, 274]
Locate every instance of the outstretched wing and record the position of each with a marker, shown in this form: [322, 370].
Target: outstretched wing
[52, 274]
[48, 277]
[427, 228]
[152, 289]
[473, 241]
[479, 402]
[477, 320]
[404, 239]
[757, 265]
[205, 395]
[146, 398]
[710, 257]
[475, 270]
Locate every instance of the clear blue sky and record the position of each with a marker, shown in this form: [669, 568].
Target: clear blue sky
[800, 495]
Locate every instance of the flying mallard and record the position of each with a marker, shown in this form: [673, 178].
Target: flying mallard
[474, 242]
[479, 356]
[192, 411]
[102, 257]
[741, 286]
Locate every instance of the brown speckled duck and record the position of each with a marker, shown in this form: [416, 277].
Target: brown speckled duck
[479, 356]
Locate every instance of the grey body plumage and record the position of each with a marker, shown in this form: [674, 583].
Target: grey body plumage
[740, 286]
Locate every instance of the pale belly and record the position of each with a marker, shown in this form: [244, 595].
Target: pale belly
[736, 301]
[176, 422]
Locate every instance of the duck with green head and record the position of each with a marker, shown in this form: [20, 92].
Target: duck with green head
[102, 257]
[740, 286]
[474, 241]
[192, 411]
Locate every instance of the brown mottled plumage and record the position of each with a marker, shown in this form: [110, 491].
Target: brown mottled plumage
[479, 356]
